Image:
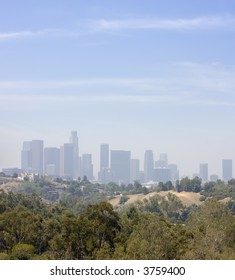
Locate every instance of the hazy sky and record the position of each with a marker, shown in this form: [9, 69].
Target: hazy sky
[135, 74]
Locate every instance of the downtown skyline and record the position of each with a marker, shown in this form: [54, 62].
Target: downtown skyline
[68, 161]
[155, 75]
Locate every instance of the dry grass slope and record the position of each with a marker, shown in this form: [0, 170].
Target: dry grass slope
[187, 198]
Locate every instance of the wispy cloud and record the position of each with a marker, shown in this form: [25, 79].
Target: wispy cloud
[206, 22]
[4, 36]
[85, 28]
[188, 83]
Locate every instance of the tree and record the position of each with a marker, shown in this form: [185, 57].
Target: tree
[123, 199]
[153, 238]
[22, 252]
[101, 225]
[212, 231]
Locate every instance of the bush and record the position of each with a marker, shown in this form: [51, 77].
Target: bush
[123, 199]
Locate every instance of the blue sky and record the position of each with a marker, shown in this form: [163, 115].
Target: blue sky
[135, 74]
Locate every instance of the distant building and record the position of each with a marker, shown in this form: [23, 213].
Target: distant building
[227, 166]
[120, 166]
[135, 170]
[26, 156]
[162, 174]
[32, 156]
[104, 156]
[67, 161]
[12, 171]
[174, 172]
[52, 162]
[203, 171]
[141, 176]
[148, 165]
[87, 166]
[162, 162]
[106, 175]
[74, 140]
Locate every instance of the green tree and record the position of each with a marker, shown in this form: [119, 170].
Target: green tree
[153, 238]
[212, 231]
[22, 252]
[101, 225]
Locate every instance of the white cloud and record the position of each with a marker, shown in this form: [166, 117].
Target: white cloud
[4, 36]
[206, 22]
[188, 83]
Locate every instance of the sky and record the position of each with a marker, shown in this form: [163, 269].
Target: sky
[134, 74]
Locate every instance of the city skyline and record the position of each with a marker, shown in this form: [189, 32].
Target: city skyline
[65, 161]
[155, 75]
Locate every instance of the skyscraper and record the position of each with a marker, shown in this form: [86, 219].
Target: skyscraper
[120, 165]
[148, 165]
[161, 174]
[87, 166]
[74, 140]
[32, 156]
[227, 166]
[52, 161]
[162, 162]
[67, 161]
[174, 172]
[135, 170]
[104, 156]
[26, 156]
[203, 172]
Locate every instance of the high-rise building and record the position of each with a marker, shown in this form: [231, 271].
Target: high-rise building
[162, 162]
[104, 156]
[52, 162]
[32, 156]
[135, 170]
[74, 140]
[174, 172]
[26, 156]
[227, 166]
[37, 156]
[148, 165]
[203, 171]
[67, 161]
[87, 166]
[162, 174]
[106, 175]
[120, 165]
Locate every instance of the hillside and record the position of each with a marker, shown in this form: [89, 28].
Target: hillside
[187, 198]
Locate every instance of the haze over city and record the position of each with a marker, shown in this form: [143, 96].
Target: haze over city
[137, 75]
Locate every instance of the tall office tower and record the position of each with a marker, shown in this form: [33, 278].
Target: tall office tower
[227, 165]
[37, 156]
[32, 156]
[162, 162]
[26, 156]
[104, 156]
[162, 174]
[67, 161]
[148, 165]
[74, 140]
[120, 165]
[135, 170]
[87, 166]
[203, 172]
[106, 175]
[174, 172]
[52, 162]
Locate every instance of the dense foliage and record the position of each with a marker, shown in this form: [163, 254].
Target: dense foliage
[31, 228]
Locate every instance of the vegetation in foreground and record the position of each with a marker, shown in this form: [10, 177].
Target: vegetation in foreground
[30, 228]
